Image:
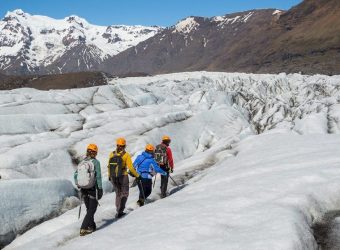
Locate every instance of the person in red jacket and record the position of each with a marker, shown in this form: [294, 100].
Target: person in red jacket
[163, 156]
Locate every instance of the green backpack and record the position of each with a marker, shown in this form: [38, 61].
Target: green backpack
[116, 165]
[160, 155]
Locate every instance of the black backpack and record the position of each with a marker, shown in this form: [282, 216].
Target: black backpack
[160, 155]
[116, 165]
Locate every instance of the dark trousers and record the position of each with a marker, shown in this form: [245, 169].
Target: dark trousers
[147, 188]
[91, 207]
[164, 182]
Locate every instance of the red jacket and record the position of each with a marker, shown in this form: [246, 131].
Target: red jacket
[169, 155]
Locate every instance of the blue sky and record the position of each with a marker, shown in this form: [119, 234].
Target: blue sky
[143, 12]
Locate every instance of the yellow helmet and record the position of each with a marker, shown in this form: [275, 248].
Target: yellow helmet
[92, 147]
[166, 138]
[121, 142]
[149, 147]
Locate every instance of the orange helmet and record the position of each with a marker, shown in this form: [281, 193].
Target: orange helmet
[166, 138]
[121, 142]
[92, 147]
[149, 147]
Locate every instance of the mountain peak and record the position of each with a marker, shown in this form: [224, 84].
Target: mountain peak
[186, 25]
[76, 19]
[16, 13]
[19, 12]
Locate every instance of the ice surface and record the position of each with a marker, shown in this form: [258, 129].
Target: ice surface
[241, 190]
[25, 202]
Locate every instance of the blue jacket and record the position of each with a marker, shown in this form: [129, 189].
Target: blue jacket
[146, 166]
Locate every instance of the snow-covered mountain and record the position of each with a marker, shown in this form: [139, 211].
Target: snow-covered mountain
[39, 44]
[256, 157]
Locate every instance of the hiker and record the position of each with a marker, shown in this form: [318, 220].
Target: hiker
[163, 156]
[119, 162]
[89, 179]
[146, 167]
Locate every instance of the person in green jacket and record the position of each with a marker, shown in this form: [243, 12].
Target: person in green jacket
[93, 194]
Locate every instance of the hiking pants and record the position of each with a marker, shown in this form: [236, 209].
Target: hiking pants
[147, 188]
[121, 187]
[164, 182]
[91, 207]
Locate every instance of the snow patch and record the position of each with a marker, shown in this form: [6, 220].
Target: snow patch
[186, 26]
[277, 12]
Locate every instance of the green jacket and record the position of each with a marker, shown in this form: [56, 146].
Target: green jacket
[97, 169]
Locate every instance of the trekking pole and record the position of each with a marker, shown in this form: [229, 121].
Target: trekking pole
[97, 197]
[142, 189]
[154, 182]
[81, 198]
[173, 180]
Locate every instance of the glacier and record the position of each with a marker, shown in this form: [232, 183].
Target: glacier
[255, 156]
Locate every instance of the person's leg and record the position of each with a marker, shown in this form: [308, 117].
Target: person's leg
[164, 185]
[124, 194]
[140, 201]
[93, 204]
[91, 207]
[117, 188]
[147, 187]
[86, 222]
[140, 190]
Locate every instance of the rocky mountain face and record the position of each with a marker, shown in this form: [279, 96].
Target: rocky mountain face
[309, 40]
[55, 81]
[220, 43]
[304, 39]
[32, 44]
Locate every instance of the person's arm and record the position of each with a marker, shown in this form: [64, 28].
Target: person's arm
[136, 163]
[108, 165]
[157, 168]
[129, 165]
[98, 174]
[170, 159]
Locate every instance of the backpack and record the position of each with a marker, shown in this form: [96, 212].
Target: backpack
[116, 165]
[160, 155]
[86, 177]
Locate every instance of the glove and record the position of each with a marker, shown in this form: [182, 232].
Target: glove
[139, 178]
[109, 178]
[171, 170]
[100, 193]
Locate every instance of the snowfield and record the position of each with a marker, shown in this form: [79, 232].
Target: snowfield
[255, 156]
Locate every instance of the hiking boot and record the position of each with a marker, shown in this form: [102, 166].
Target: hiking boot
[84, 232]
[119, 215]
[140, 203]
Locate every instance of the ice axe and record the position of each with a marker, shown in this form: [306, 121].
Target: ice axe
[154, 182]
[81, 198]
[173, 180]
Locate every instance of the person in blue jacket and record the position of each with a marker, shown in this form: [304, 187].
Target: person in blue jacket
[146, 166]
